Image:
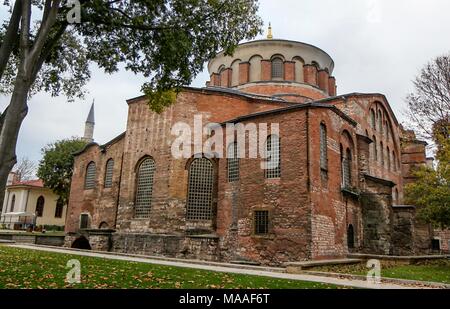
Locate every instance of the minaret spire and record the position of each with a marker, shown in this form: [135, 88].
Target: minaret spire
[89, 125]
[269, 32]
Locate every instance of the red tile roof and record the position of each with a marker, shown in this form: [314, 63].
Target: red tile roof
[32, 183]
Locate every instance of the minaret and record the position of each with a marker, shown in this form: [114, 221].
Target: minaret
[269, 32]
[89, 126]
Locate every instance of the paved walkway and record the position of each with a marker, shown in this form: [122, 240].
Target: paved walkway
[229, 269]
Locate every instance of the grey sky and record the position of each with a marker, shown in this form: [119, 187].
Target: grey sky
[377, 46]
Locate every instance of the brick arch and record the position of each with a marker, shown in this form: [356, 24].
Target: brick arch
[255, 68]
[235, 72]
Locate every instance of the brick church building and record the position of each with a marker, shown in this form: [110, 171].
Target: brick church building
[344, 161]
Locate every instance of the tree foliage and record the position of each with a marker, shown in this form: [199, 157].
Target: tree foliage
[431, 190]
[56, 166]
[167, 41]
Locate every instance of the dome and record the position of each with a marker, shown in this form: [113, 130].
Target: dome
[293, 70]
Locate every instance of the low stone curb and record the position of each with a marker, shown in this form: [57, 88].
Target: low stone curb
[434, 285]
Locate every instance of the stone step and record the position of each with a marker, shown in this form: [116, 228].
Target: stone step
[243, 262]
[5, 241]
[293, 267]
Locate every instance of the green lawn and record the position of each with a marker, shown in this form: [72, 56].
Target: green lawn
[23, 268]
[433, 271]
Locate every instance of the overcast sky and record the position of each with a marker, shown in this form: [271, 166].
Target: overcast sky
[377, 46]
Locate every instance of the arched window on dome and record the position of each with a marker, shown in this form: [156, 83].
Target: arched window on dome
[277, 68]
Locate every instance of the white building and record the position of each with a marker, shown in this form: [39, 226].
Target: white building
[29, 203]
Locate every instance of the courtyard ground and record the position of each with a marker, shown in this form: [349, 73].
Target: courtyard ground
[25, 268]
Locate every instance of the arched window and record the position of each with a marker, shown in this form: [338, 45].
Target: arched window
[375, 148]
[380, 122]
[273, 159]
[13, 203]
[372, 119]
[200, 190]
[233, 162]
[144, 190]
[40, 206]
[350, 237]
[59, 209]
[346, 163]
[277, 68]
[388, 154]
[219, 75]
[323, 148]
[381, 154]
[109, 173]
[91, 174]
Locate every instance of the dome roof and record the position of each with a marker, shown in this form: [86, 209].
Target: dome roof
[293, 70]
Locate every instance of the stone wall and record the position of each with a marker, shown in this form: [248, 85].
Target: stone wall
[403, 230]
[190, 247]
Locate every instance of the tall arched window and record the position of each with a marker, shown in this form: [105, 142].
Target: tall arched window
[375, 148]
[59, 209]
[144, 190]
[380, 122]
[91, 174]
[109, 169]
[273, 159]
[323, 148]
[233, 162]
[372, 119]
[381, 154]
[13, 203]
[200, 190]
[346, 163]
[277, 68]
[388, 154]
[40, 206]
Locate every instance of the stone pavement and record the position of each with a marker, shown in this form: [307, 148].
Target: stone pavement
[228, 268]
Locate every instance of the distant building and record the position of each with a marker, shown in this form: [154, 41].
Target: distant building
[29, 203]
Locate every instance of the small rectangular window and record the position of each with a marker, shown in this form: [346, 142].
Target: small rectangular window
[261, 222]
[435, 245]
[84, 221]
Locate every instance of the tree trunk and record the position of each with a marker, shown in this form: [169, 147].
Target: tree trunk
[16, 112]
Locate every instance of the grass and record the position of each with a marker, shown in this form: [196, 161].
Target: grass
[25, 268]
[433, 271]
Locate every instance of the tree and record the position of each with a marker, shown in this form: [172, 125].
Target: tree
[167, 41]
[56, 166]
[431, 190]
[25, 169]
[429, 104]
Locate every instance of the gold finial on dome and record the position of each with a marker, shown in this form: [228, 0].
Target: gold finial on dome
[269, 32]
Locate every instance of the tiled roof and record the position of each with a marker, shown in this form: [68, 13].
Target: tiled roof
[31, 183]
